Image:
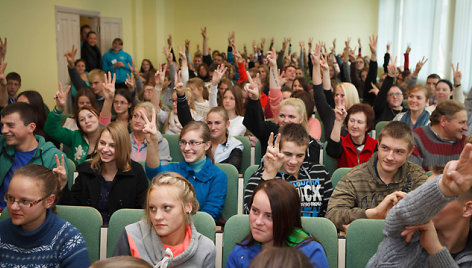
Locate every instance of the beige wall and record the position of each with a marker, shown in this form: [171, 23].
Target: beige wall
[30, 27]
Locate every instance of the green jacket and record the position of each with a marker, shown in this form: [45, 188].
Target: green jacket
[361, 189]
[44, 156]
[72, 138]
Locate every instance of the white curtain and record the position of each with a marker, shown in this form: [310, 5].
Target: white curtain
[428, 27]
[462, 41]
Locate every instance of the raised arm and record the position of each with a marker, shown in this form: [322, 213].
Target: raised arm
[372, 74]
[457, 93]
[3, 48]
[275, 93]
[183, 66]
[334, 147]
[380, 103]
[152, 139]
[3, 84]
[159, 77]
[215, 80]
[109, 94]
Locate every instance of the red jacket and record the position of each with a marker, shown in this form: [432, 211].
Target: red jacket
[350, 157]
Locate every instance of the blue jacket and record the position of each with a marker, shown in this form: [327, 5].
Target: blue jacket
[241, 256]
[209, 184]
[110, 58]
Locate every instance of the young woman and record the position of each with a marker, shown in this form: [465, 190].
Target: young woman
[195, 142]
[313, 123]
[146, 70]
[123, 104]
[389, 100]
[357, 146]
[84, 97]
[29, 237]
[82, 141]
[137, 136]
[166, 236]
[233, 104]
[112, 180]
[274, 221]
[417, 115]
[80, 67]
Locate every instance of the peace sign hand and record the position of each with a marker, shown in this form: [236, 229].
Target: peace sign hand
[273, 159]
[129, 82]
[109, 86]
[272, 58]
[218, 74]
[456, 74]
[179, 86]
[251, 88]
[392, 68]
[70, 56]
[60, 97]
[60, 170]
[160, 75]
[150, 128]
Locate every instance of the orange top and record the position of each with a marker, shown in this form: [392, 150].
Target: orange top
[179, 248]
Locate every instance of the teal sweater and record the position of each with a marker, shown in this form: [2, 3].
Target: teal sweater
[72, 138]
[44, 155]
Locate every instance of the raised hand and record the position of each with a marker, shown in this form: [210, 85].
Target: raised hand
[60, 171]
[263, 41]
[252, 88]
[160, 75]
[3, 48]
[346, 43]
[70, 56]
[60, 97]
[373, 46]
[150, 128]
[168, 55]
[315, 54]
[419, 65]
[457, 175]
[237, 56]
[129, 82]
[204, 32]
[272, 58]
[340, 113]
[408, 49]
[388, 47]
[310, 44]
[109, 86]
[133, 69]
[359, 42]
[187, 45]
[456, 74]
[374, 90]
[218, 74]
[273, 159]
[179, 86]
[392, 68]
[333, 48]
[169, 41]
[3, 67]
[182, 57]
[324, 64]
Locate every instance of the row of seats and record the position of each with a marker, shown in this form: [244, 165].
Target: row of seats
[362, 237]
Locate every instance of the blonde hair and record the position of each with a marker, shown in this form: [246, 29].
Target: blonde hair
[121, 262]
[120, 137]
[350, 94]
[186, 193]
[197, 82]
[96, 72]
[299, 105]
[147, 106]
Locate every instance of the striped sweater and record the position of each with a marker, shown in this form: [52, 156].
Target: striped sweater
[430, 150]
[313, 185]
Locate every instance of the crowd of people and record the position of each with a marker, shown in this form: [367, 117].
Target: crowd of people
[110, 120]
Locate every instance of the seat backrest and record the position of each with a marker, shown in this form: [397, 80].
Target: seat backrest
[257, 152]
[328, 162]
[174, 147]
[362, 239]
[86, 219]
[246, 160]
[379, 126]
[70, 174]
[231, 202]
[237, 228]
[204, 224]
[325, 232]
[248, 173]
[337, 175]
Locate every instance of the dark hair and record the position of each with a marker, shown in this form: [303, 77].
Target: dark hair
[448, 109]
[118, 40]
[362, 108]
[25, 110]
[87, 92]
[13, 76]
[307, 98]
[91, 32]
[276, 257]
[295, 133]
[204, 130]
[285, 205]
[449, 84]
[79, 60]
[47, 176]
[129, 97]
[397, 130]
[77, 112]
[303, 83]
[238, 99]
[207, 77]
[151, 67]
[85, 26]
[36, 101]
[434, 76]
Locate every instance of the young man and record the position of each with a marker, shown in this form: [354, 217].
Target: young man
[90, 52]
[442, 140]
[369, 190]
[440, 210]
[117, 62]
[284, 159]
[12, 83]
[19, 146]
[96, 79]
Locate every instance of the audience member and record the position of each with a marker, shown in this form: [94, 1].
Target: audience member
[90, 52]
[274, 221]
[166, 236]
[369, 190]
[416, 115]
[118, 62]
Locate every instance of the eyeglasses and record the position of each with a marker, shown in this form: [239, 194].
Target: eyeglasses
[395, 94]
[22, 203]
[183, 143]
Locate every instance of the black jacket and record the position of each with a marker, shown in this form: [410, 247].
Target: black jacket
[128, 189]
